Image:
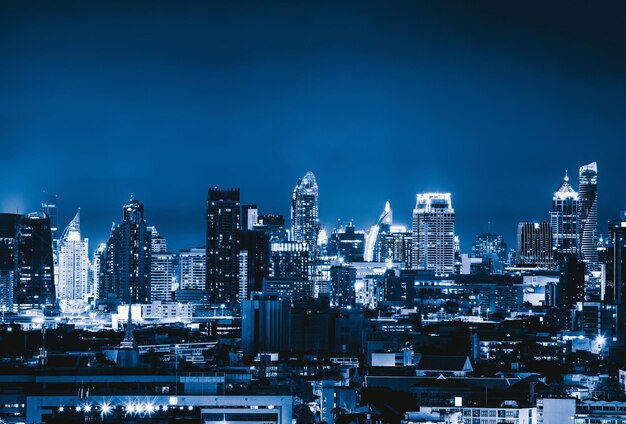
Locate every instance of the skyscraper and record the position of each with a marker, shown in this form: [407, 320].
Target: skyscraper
[615, 288]
[491, 248]
[372, 242]
[222, 245]
[564, 219]
[534, 244]
[305, 222]
[433, 233]
[127, 258]
[192, 269]
[8, 259]
[588, 215]
[73, 265]
[162, 276]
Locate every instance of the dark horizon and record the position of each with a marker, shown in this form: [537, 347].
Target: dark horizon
[492, 102]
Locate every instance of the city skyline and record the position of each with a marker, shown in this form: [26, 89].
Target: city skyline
[99, 234]
[386, 101]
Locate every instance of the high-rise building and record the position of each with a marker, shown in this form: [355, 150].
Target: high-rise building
[615, 285]
[73, 266]
[222, 245]
[254, 245]
[290, 270]
[162, 276]
[36, 287]
[265, 325]
[374, 237]
[347, 243]
[96, 270]
[342, 286]
[249, 217]
[192, 263]
[492, 249]
[433, 233]
[9, 227]
[396, 246]
[126, 264]
[564, 219]
[305, 221]
[588, 215]
[534, 245]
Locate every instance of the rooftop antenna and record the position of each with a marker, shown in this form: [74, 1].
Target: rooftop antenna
[489, 226]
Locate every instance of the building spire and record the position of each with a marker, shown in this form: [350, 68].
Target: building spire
[566, 176]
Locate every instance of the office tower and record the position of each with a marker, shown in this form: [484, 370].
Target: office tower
[8, 259]
[571, 289]
[127, 258]
[290, 260]
[256, 248]
[588, 215]
[534, 244]
[615, 280]
[192, 263]
[305, 222]
[158, 243]
[273, 226]
[49, 207]
[372, 242]
[291, 265]
[36, 287]
[249, 216]
[396, 246]
[265, 325]
[96, 270]
[492, 249]
[73, 266]
[162, 277]
[433, 233]
[222, 245]
[347, 243]
[342, 290]
[564, 219]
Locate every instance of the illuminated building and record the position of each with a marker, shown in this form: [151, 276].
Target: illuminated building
[433, 233]
[396, 246]
[222, 245]
[534, 244]
[254, 245]
[342, 286]
[491, 248]
[8, 259]
[305, 222]
[373, 240]
[588, 215]
[192, 263]
[347, 243]
[73, 265]
[615, 286]
[126, 264]
[564, 219]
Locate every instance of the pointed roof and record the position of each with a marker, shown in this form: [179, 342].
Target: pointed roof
[72, 231]
[565, 190]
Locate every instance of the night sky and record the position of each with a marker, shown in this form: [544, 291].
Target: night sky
[490, 100]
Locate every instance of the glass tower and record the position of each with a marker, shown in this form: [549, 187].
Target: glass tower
[564, 219]
[588, 215]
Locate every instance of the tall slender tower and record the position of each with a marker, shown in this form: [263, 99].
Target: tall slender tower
[127, 258]
[222, 245]
[305, 221]
[564, 219]
[433, 233]
[73, 264]
[588, 215]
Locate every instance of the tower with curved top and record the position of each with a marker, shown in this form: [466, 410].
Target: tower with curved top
[588, 215]
[305, 221]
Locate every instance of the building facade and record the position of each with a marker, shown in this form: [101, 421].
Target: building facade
[564, 219]
[222, 245]
[534, 245]
[433, 233]
[588, 215]
[74, 265]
